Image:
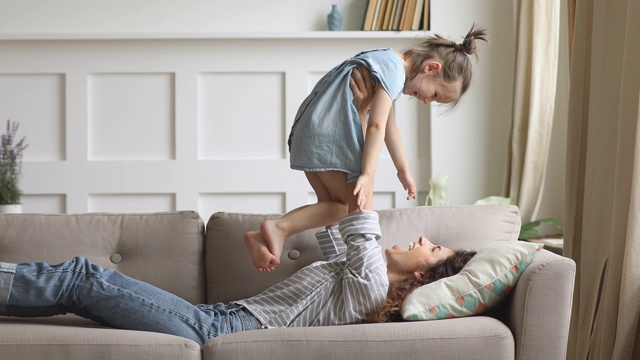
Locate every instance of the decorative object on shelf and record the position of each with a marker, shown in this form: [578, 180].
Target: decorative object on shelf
[334, 19]
[10, 169]
[438, 186]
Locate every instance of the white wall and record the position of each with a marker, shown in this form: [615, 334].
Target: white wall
[169, 16]
[470, 143]
[69, 168]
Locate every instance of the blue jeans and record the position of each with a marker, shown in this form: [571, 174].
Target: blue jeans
[112, 299]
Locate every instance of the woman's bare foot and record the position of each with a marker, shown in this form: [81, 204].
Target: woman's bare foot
[261, 257]
[273, 237]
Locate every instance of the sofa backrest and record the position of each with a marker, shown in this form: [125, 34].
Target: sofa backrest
[230, 274]
[164, 249]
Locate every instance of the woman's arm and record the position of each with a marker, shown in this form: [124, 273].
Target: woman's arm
[396, 150]
[331, 244]
[360, 231]
[364, 282]
[362, 88]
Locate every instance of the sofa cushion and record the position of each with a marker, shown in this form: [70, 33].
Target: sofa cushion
[469, 227]
[163, 249]
[483, 283]
[478, 338]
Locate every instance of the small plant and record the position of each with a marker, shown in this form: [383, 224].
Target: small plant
[10, 164]
[528, 230]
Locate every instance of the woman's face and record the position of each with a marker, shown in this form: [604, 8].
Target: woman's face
[416, 257]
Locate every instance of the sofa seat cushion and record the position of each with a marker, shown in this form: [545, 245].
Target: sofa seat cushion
[477, 338]
[71, 337]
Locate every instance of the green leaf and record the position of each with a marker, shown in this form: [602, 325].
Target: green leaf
[528, 233]
[536, 223]
[529, 230]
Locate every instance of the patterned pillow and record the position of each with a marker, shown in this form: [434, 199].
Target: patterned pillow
[483, 282]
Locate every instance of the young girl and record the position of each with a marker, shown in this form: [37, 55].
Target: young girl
[349, 287]
[327, 140]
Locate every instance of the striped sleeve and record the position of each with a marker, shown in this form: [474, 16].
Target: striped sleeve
[331, 244]
[365, 282]
[361, 232]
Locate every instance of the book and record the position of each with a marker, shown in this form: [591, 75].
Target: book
[407, 18]
[368, 16]
[417, 15]
[396, 16]
[425, 16]
[383, 9]
[403, 15]
[375, 14]
[387, 14]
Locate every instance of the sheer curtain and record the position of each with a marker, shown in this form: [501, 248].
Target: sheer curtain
[602, 204]
[534, 101]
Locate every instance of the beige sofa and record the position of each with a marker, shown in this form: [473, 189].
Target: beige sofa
[173, 251]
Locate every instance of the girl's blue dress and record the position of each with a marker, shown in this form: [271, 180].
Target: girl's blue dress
[326, 134]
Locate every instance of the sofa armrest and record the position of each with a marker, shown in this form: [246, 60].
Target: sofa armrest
[538, 311]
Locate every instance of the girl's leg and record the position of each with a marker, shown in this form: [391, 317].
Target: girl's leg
[266, 245]
[105, 296]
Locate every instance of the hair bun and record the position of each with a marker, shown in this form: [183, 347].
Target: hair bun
[468, 45]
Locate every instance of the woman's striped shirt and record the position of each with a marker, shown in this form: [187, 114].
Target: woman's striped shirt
[341, 290]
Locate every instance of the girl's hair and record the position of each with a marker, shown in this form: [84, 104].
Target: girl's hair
[453, 56]
[390, 310]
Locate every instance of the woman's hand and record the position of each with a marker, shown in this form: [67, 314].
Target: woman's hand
[408, 183]
[362, 190]
[363, 90]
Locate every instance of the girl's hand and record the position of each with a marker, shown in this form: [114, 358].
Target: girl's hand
[362, 88]
[361, 190]
[408, 183]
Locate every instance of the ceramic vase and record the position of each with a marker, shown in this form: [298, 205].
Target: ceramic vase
[334, 19]
[11, 209]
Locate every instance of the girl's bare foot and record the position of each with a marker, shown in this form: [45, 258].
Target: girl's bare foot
[273, 236]
[261, 257]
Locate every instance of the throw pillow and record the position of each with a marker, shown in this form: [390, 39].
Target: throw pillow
[483, 282]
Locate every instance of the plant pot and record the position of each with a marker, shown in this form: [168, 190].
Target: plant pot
[11, 209]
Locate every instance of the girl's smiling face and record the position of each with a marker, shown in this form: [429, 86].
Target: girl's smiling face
[428, 86]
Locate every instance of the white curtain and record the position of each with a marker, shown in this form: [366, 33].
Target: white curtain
[534, 101]
[602, 200]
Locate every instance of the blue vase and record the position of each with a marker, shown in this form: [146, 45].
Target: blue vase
[334, 19]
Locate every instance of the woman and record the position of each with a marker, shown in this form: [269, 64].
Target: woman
[349, 287]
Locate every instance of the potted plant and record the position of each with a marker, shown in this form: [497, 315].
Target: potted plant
[10, 169]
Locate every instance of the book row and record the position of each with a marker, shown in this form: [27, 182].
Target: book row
[399, 15]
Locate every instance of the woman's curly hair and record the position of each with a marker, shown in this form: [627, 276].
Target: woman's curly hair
[390, 310]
